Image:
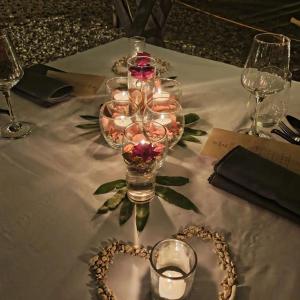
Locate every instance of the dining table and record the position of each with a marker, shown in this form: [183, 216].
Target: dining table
[49, 229]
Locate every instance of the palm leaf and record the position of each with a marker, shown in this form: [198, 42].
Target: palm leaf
[172, 180]
[191, 118]
[142, 215]
[109, 186]
[175, 198]
[125, 211]
[196, 132]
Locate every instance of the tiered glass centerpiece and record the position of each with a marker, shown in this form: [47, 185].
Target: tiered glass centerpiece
[144, 118]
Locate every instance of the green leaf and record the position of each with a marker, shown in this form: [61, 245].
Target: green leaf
[181, 143]
[175, 198]
[88, 126]
[191, 118]
[102, 210]
[113, 202]
[142, 215]
[90, 118]
[172, 180]
[191, 131]
[190, 138]
[109, 186]
[90, 132]
[126, 210]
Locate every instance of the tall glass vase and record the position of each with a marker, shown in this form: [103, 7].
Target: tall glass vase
[144, 146]
[141, 78]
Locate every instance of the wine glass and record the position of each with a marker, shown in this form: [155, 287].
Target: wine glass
[266, 71]
[10, 73]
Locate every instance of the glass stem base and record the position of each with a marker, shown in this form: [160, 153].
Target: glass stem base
[15, 130]
[141, 186]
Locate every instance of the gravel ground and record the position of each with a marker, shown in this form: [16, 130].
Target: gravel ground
[45, 30]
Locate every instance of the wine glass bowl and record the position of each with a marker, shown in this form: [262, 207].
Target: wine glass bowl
[266, 71]
[114, 117]
[166, 87]
[169, 113]
[117, 88]
[10, 74]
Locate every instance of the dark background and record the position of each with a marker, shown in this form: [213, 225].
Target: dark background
[45, 30]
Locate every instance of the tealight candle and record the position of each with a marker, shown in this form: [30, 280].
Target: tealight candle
[169, 288]
[122, 122]
[161, 95]
[121, 96]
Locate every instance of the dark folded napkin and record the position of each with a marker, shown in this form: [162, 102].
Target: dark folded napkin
[259, 181]
[38, 87]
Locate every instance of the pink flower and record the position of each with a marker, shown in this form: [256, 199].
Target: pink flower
[143, 72]
[143, 59]
[144, 151]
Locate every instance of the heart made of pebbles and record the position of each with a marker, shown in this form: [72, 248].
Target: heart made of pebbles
[99, 264]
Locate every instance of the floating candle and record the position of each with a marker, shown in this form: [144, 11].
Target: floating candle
[122, 122]
[161, 95]
[121, 96]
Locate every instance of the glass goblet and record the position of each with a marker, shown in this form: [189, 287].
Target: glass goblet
[117, 88]
[114, 117]
[141, 76]
[272, 110]
[144, 146]
[266, 71]
[166, 87]
[169, 113]
[10, 74]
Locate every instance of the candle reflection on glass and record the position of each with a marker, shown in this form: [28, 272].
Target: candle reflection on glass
[171, 289]
[122, 122]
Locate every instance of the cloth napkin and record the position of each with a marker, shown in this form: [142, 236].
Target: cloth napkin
[38, 87]
[259, 181]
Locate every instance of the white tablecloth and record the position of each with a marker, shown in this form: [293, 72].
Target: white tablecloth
[47, 180]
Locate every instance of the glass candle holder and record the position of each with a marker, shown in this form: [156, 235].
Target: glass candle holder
[141, 76]
[137, 44]
[167, 88]
[169, 113]
[114, 117]
[144, 146]
[117, 88]
[173, 266]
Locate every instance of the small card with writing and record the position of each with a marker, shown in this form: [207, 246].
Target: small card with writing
[84, 85]
[221, 141]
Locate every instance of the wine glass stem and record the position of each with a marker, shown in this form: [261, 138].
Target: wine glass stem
[254, 127]
[14, 124]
